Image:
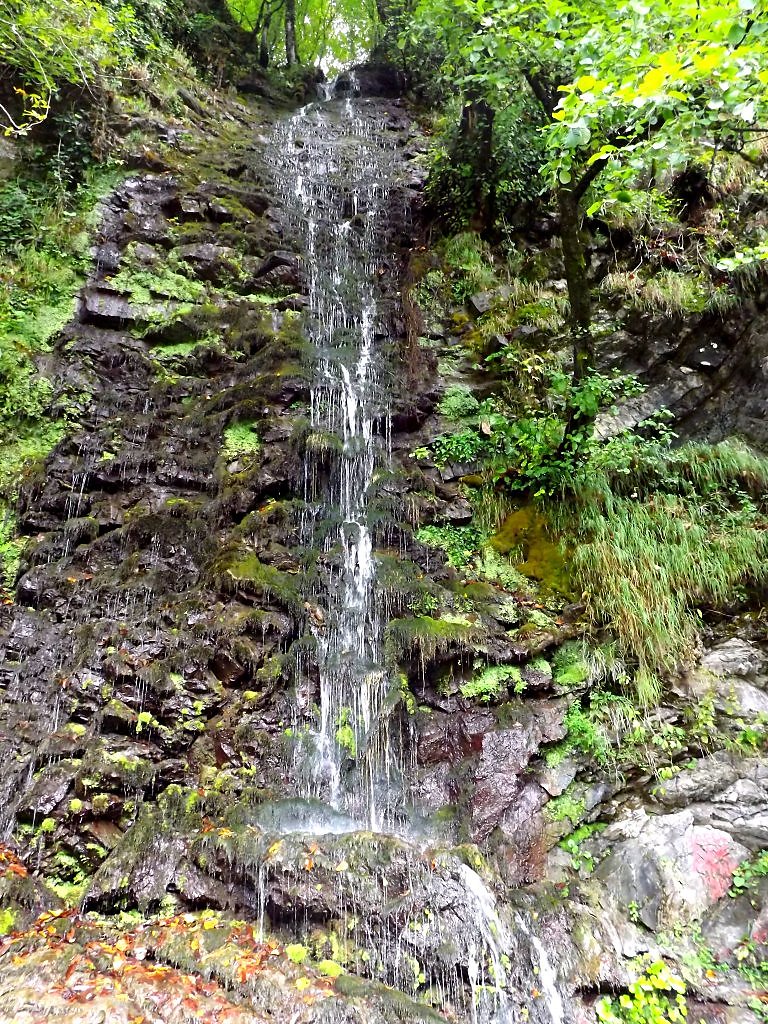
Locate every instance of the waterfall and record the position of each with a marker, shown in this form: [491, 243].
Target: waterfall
[336, 171]
[337, 175]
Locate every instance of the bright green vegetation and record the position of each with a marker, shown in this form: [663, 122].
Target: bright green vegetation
[345, 733]
[458, 402]
[748, 873]
[7, 920]
[425, 636]
[460, 543]
[44, 248]
[566, 808]
[237, 570]
[304, 31]
[570, 666]
[296, 953]
[657, 997]
[489, 683]
[581, 859]
[657, 532]
[241, 440]
[148, 287]
[616, 96]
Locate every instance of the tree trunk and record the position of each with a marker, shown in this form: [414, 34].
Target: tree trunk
[577, 429]
[291, 55]
[264, 45]
[476, 143]
[471, 157]
[578, 285]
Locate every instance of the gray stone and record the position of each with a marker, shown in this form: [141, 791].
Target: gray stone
[557, 779]
[733, 921]
[667, 867]
[481, 302]
[735, 657]
[726, 792]
[635, 410]
[9, 158]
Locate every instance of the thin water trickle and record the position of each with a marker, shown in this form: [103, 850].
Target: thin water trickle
[335, 166]
[337, 173]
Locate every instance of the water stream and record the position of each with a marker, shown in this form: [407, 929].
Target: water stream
[336, 169]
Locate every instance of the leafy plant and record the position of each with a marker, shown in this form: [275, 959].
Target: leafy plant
[458, 402]
[657, 997]
[460, 543]
[240, 440]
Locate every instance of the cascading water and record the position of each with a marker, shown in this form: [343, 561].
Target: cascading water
[338, 178]
[337, 173]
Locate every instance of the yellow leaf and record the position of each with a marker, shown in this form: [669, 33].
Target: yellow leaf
[709, 61]
[653, 81]
[343, 866]
[586, 83]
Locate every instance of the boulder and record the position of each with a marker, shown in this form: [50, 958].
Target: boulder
[666, 868]
[723, 791]
[373, 79]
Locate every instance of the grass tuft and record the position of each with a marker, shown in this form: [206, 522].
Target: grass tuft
[681, 532]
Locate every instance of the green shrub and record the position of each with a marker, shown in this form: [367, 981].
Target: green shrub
[657, 997]
[240, 440]
[460, 543]
[657, 533]
[458, 402]
[487, 684]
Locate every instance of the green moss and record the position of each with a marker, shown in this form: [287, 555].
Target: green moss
[345, 733]
[566, 808]
[426, 636]
[486, 685]
[100, 803]
[7, 920]
[526, 533]
[569, 665]
[330, 969]
[48, 825]
[145, 287]
[243, 570]
[240, 440]
[406, 695]
[458, 402]
[296, 953]
[498, 569]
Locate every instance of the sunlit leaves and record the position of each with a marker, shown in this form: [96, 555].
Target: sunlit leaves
[332, 33]
[625, 83]
[51, 43]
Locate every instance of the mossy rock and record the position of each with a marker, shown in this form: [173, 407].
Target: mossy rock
[526, 531]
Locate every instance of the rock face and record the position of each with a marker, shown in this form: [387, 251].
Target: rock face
[160, 675]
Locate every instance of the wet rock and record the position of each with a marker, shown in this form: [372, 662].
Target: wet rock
[374, 79]
[106, 307]
[556, 779]
[505, 753]
[642, 407]
[211, 262]
[482, 302]
[52, 785]
[726, 792]
[735, 657]
[733, 922]
[667, 867]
